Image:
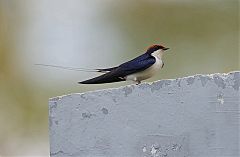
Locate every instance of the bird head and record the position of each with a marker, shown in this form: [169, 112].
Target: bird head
[156, 50]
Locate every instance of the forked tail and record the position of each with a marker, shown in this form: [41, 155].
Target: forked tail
[77, 69]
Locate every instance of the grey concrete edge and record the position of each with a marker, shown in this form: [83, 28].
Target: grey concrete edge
[219, 79]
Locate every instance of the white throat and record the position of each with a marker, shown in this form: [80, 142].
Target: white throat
[158, 54]
[149, 72]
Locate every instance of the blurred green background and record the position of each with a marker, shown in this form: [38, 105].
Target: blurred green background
[203, 37]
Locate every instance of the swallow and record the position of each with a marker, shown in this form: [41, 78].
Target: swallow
[137, 69]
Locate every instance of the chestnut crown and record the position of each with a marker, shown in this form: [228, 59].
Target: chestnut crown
[154, 48]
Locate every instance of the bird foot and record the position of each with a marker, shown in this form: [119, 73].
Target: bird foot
[138, 82]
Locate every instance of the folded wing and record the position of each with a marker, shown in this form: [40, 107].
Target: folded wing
[119, 73]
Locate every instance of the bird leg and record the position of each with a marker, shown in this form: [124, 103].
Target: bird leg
[138, 82]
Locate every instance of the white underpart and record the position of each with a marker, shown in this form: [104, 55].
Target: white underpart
[149, 72]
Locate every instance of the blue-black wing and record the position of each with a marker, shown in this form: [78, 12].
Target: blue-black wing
[137, 64]
[119, 73]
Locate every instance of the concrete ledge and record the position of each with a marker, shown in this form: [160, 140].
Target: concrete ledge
[196, 116]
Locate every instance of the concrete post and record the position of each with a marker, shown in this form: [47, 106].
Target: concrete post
[196, 116]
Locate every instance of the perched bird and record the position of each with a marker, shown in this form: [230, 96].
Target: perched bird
[137, 69]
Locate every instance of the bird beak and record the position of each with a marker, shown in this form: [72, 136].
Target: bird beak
[165, 48]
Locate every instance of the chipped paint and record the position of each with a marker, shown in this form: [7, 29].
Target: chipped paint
[144, 149]
[219, 81]
[167, 118]
[153, 150]
[190, 80]
[104, 110]
[220, 98]
[204, 80]
[236, 78]
[127, 90]
[160, 84]
[178, 82]
[87, 115]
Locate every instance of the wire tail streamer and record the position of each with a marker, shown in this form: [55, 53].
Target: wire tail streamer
[69, 68]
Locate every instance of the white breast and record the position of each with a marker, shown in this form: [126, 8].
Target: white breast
[147, 73]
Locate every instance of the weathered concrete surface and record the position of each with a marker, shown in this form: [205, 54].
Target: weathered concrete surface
[196, 116]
